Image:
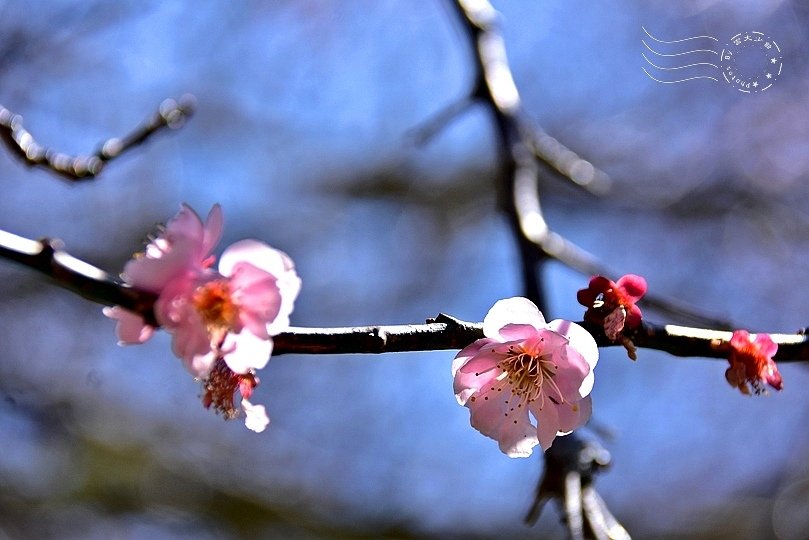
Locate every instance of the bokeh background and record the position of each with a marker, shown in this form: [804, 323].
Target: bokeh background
[302, 133]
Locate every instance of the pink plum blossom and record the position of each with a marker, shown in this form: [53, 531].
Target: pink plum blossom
[221, 319]
[526, 365]
[182, 251]
[751, 363]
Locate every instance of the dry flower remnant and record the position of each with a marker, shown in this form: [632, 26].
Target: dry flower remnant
[526, 365]
[221, 321]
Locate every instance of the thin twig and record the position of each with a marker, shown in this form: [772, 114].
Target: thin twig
[171, 114]
[423, 133]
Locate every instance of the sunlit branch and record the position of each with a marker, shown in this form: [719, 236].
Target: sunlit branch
[440, 333]
[493, 83]
[447, 333]
[171, 114]
[48, 257]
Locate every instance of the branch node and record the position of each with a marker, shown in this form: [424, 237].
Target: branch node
[449, 320]
[382, 337]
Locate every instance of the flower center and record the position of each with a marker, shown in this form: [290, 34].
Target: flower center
[530, 375]
[215, 304]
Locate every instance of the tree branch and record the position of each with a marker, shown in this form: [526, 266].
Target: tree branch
[447, 333]
[21, 143]
[48, 257]
[440, 333]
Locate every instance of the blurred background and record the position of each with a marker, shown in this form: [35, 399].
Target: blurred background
[304, 111]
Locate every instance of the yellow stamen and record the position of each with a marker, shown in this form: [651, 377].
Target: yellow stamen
[215, 304]
[530, 375]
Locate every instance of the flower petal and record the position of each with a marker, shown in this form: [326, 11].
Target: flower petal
[212, 231]
[255, 416]
[579, 339]
[633, 316]
[468, 352]
[154, 273]
[634, 286]
[258, 254]
[131, 329]
[186, 224]
[511, 311]
[265, 261]
[544, 341]
[200, 365]
[246, 351]
[766, 345]
[257, 296]
[190, 339]
[740, 339]
[547, 423]
[574, 415]
[493, 417]
[573, 377]
[515, 332]
[475, 374]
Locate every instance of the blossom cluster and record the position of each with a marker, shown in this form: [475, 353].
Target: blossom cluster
[221, 321]
[525, 383]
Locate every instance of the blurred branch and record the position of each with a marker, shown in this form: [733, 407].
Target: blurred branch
[569, 477]
[522, 150]
[423, 133]
[171, 114]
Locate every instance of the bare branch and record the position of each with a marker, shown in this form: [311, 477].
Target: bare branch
[448, 334]
[48, 257]
[21, 143]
